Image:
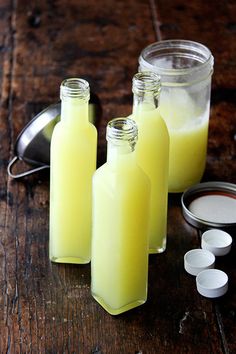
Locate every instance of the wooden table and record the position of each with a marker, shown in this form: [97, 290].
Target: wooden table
[47, 308]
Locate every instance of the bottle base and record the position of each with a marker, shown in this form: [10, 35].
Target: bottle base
[157, 250]
[119, 310]
[72, 260]
[176, 190]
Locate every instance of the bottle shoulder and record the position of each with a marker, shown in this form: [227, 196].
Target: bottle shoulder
[153, 129]
[108, 173]
[100, 171]
[56, 131]
[150, 119]
[93, 129]
[64, 130]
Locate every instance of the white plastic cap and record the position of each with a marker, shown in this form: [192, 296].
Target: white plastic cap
[216, 241]
[198, 260]
[212, 283]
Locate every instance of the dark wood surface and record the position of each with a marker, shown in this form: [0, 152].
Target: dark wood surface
[47, 308]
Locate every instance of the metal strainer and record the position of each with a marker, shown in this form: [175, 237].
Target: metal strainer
[33, 143]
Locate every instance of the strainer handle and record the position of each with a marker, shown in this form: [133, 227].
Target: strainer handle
[23, 174]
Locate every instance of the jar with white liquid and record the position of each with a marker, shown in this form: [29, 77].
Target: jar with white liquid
[185, 68]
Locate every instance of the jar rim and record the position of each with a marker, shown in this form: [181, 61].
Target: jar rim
[193, 49]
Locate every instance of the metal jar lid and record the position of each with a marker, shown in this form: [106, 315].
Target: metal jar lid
[33, 143]
[210, 205]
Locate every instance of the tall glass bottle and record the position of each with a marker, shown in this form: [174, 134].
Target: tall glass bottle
[73, 162]
[121, 196]
[152, 153]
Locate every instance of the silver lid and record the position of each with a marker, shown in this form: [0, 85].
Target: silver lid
[210, 205]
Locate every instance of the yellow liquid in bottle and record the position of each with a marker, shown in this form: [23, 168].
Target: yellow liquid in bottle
[73, 161]
[188, 130]
[120, 244]
[152, 153]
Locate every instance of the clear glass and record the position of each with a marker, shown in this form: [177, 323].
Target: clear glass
[73, 162]
[122, 135]
[185, 68]
[75, 88]
[121, 192]
[146, 89]
[152, 153]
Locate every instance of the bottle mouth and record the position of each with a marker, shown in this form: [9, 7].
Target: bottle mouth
[146, 82]
[175, 60]
[122, 129]
[75, 88]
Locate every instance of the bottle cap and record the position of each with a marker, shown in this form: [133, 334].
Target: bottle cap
[210, 205]
[197, 260]
[216, 241]
[212, 283]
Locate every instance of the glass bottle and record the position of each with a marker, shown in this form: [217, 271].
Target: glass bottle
[186, 69]
[152, 153]
[73, 162]
[121, 196]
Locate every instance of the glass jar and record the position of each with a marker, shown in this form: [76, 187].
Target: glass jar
[185, 68]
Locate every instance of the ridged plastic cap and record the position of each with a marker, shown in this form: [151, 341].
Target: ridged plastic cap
[212, 283]
[197, 260]
[216, 241]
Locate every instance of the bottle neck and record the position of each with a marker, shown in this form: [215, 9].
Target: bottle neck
[74, 109]
[119, 153]
[146, 91]
[75, 95]
[121, 136]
